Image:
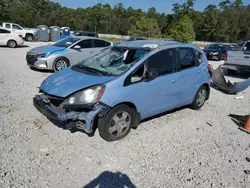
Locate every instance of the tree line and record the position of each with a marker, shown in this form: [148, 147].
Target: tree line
[228, 22]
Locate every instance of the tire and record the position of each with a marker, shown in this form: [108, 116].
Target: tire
[29, 37]
[60, 64]
[200, 98]
[108, 126]
[229, 71]
[12, 44]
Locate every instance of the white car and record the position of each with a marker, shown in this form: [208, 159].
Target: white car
[10, 39]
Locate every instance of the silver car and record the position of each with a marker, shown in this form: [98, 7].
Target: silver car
[65, 52]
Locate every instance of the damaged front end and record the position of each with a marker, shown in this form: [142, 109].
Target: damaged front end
[227, 87]
[80, 117]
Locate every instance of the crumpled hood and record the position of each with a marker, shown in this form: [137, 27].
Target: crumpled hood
[46, 49]
[68, 81]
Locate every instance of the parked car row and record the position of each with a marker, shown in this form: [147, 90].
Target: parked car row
[112, 88]
[218, 51]
[65, 52]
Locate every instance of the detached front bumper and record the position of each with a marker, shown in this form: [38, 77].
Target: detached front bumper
[43, 105]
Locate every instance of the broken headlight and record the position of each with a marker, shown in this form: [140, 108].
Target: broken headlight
[85, 97]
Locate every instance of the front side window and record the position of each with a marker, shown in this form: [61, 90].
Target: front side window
[66, 42]
[186, 58]
[111, 62]
[164, 61]
[16, 27]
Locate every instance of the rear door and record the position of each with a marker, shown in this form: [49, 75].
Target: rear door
[4, 36]
[77, 55]
[191, 73]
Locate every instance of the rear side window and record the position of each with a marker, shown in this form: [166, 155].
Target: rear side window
[186, 58]
[164, 61]
[100, 43]
[7, 26]
[85, 43]
[248, 46]
[199, 56]
[4, 31]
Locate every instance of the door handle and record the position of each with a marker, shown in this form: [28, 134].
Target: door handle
[246, 57]
[173, 81]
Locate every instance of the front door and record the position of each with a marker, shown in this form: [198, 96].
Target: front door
[78, 55]
[161, 94]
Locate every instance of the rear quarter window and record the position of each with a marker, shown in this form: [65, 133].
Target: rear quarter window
[4, 31]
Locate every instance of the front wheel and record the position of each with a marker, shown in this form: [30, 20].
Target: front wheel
[60, 64]
[117, 123]
[200, 98]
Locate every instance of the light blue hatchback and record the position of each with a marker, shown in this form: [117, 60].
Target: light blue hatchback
[122, 85]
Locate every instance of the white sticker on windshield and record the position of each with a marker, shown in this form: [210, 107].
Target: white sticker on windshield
[43, 28]
[150, 45]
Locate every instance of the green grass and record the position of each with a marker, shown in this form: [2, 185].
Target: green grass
[114, 40]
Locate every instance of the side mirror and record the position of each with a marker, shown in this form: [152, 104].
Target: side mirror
[77, 47]
[244, 48]
[151, 74]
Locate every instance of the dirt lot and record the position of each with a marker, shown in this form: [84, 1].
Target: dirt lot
[178, 149]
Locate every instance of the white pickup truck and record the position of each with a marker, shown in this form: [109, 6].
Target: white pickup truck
[27, 34]
[238, 60]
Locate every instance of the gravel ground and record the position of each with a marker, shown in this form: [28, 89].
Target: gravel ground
[178, 149]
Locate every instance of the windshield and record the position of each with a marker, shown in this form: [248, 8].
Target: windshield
[112, 61]
[215, 46]
[65, 42]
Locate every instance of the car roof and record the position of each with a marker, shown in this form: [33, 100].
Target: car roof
[153, 44]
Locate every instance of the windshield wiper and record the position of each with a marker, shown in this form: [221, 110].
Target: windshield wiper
[90, 69]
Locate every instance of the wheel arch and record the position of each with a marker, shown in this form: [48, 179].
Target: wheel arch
[208, 89]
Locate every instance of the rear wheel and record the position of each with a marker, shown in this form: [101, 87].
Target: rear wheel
[29, 37]
[11, 44]
[60, 64]
[117, 123]
[200, 98]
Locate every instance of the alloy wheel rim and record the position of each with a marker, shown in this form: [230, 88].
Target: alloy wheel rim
[201, 97]
[61, 64]
[12, 44]
[119, 124]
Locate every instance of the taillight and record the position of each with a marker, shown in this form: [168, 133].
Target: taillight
[20, 36]
[210, 69]
[226, 56]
